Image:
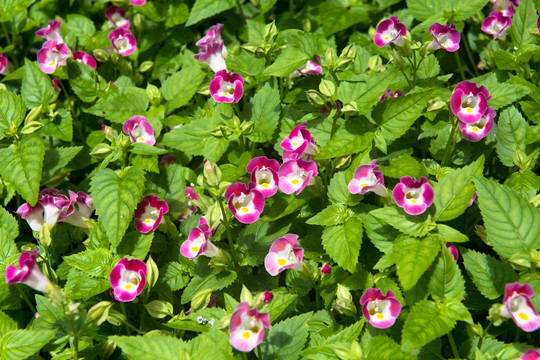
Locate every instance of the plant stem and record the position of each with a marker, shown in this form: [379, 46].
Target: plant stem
[6, 33]
[406, 78]
[469, 55]
[450, 144]
[460, 66]
[229, 234]
[123, 308]
[26, 299]
[241, 12]
[453, 345]
[317, 298]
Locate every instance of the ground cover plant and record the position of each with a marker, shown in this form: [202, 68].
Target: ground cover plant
[269, 179]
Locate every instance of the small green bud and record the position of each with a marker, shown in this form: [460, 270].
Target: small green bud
[356, 350]
[342, 351]
[107, 350]
[211, 172]
[437, 104]
[247, 127]
[523, 161]
[306, 24]
[31, 127]
[374, 62]
[154, 94]
[222, 260]
[495, 314]
[213, 216]
[344, 303]
[152, 274]
[224, 322]
[33, 114]
[159, 309]
[331, 57]
[146, 65]
[327, 87]
[115, 318]
[315, 98]
[351, 108]
[201, 299]
[99, 312]
[245, 295]
[270, 32]
[139, 21]
[45, 235]
[101, 55]
[101, 150]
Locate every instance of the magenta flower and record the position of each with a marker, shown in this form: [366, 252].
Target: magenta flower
[469, 102]
[538, 22]
[477, 131]
[149, 213]
[505, 7]
[388, 93]
[28, 273]
[51, 207]
[295, 175]
[84, 58]
[246, 204]
[444, 36]
[284, 254]
[531, 355]
[212, 49]
[298, 142]
[197, 244]
[137, 2]
[117, 17]
[56, 84]
[326, 269]
[380, 310]
[368, 178]
[309, 68]
[496, 24]
[123, 41]
[227, 87]
[412, 195]
[189, 207]
[264, 174]
[247, 327]
[51, 32]
[267, 297]
[127, 279]
[473, 198]
[390, 30]
[3, 65]
[453, 250]
[139, 130]
[517, 305]
[80, 209]
[52, 55]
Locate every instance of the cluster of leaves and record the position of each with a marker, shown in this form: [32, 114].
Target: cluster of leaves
[52, 139]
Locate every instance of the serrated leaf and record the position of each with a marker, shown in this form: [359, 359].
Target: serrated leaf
[94, 263]
[118, 106]
[488, 274]
[145, 149]
[21, 344]
[447, 281]
[12, 111]
[511, 133]
[55, 160]
[255, 239]
[512, 223]
[146, 162]
[465, 9]
[180, 87]
[353, 137]
[384, 348]
[115, 197]
[85, 81]
[80, 25]
[37, 87]
[525, 183]
[286, 339]
[191, 138]
[135, 244]
[407, 224]
[403, 165]
[286, 63]
[173, 276]
[342, 242]
[80, 285]
[173, 186]
[349, 334]
[523, 20]
[21, 165]
[264, 109]
[10, 8]
[219, 348]
[216, 280]
[9, 224]
[60, 126]
[153, 347]
[279, 304]
[6, 323]
[413, 257]
[334, 214]
[503, 94]
[449, 234]
[336, 16]
[418, 8]
[203, 9]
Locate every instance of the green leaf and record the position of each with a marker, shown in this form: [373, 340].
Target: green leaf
[21, 344]
[60, 126]
[135, 244]
[418, 8]
[488, 274]
[503, 94]
[115, 197]
[180, 87]
[80, 25]
[351, 138]
[118, 106]
[6, 323]
[403, 165]
[151, 347]
[384, 348]
[334, 214]
[80, 285]
[192, 138]
[454, 191]
[526, 183]
[255, 239]
[342, 242]
[447, 281]
[173, 276]
[523, 20]
[213, 344]
[146, 162]
[95, 263]
[56, 159]
[279, 305]
[85, 81]
[414, 256]
[429, 68]
[10, 8]
[37, 87]
[465, 9]
[511, 133]
[12, 111]
[9, 297]
[216, 280]
[145, 149]
[408, 224]
[512, 223]
[246, 64]
[9, 224]
[286, 339]
[264, 109]
[21, 165]
[338, 16]
[449, 234]
[203, 9]
[286, 63]
[172, 184]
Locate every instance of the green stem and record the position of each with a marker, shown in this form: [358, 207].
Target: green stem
[334, 76]
[240, 10]
[26, 299]
[483, 336]
[317, 298]
[6, 33]
[469, 55]
[415, 67]
[229, 234]
[123, 308]
[406, 78]
[460, 66]
[453, 345]
[450, 144]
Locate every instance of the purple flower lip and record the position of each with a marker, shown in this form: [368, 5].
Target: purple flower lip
[247, 327]
[139, 130]
[84, 58]
[518, 306]
[227, 87]
[390, 30]
[128, 279]
[496, 24]
[531, 355]
[198, 244]
[388, 93]
[52, 55]
[309, 68]
[51, 31]
[505, 7]
[444, 36]
[477, 131]
[412, 195]
[3, 65]
[295, 175]
[469, 102]
[117, 17]
[28, 273]
[264, 174]
[381, 311]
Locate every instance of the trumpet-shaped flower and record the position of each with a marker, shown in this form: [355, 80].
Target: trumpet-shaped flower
[28, 273]
[52, 55]
[412, 195]
[246, 329]
[84, 58]
[189, 207]
[123, 41]
[81, 209]
[149, 213]
[368, 178]
[137, 2]
[380, 310]
[531, 355]
[226, 87]
[505, 7]
[309, 68]
[198, 244]
[127, 279]
[212, 49]
[284, 253]
[246, 204]
[390, 30]
[295, 175]
[477, 131]
[51, 32]
[388, 93]
[139, 130]
[3, 65]
[298, 142]
[517, 305]
[117, 17]
[51, 207]
[496, 24]
[469, 102]
[264, 174]
[444, 36]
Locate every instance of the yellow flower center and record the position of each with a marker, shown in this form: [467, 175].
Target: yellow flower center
[364, 185]
[380, 316]
[246, 335]
[413, 201]
[386, 38]
[146, 221]
[523, 316]
[245, 209]
[469, 110]
[265, 185]
[194, 249]
[474, 129]
[294, 182]
[128, 286]
[281, 262]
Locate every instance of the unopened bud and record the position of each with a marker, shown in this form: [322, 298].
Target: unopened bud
[116, 318]
[326, 269]
[350, 108]
[267, 297]
[201, 299]
[436, 105]
[342, 351]
[315, 98]
[31, 127]
[159, 309]
[327, 87]
[331, 56]
[146, 65]
[247, 127]
[100, 150]
[99, 312]
[33, 114]
[222, 260]
[344, 302]
[153, 94]
[107, 350]
[109, 132]
[152, 273]
[374, 62]
[245, 295]
[211, 172]
[270, 32]
[101, 55]
[306, 24]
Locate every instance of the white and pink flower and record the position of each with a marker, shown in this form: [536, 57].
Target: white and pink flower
[123, 41]
[264, 174]
[496, 24]
[137, 2]
[226, 87]
[505, 7]
[295, 175]
[412, 195]
[309, 68]
[189, 207]
[52, 55]
[198, 244]
[85, 59]
[80, 209]
[51, 32]
[117, 17]
[368, 178]
[127, 279]
[444, 36]
[139, 130]
[298, 143]
[477, 131]
[380, 310]
[453, 250]
[246, 329]
[531, 355]
[390, 30]
[50, 208]
[149, 213]
[388, 93]
[246, 204]
[469, 102]
[3, 65]
[517, 305]
[28, 273]
[212, 49]
[284, 253]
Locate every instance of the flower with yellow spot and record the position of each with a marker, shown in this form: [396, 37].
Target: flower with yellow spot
[284, 253]
[128, 279]
[380, 310]
[517, 305]
[246, 329]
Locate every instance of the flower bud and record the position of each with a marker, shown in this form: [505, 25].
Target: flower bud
[159, 309]
[356, 350]
[31, 127]
[326, 269]
[107, 350]
[152, 274]
[213, 216]
[99, 312]
[331, 56]
[222, 260]
[247, 127]
[438, 104]
[270, 32]
[212, 173]
[344, 303]
[101, 55]
[342, 351]
[245, 295]
[327, 87]
[315, 98]
[267, 297]
[351, 108]
[115, 318]
[153, 94]
[101, 150]
[33, 114]
[201, 299]
[146, 65]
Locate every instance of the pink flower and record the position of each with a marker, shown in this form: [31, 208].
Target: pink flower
[51, 32]
[326, 269]
[139, 130]
[388, 93]
[295, 175]
[505, 7]
[51, 207]
[453, 250]
[137, 2]
[412, 195]
[517, 305]
[127, 279]
[284, 254]
[3, 65]
[198, 244]
[81, 205]
[444, 36]
[473, 198]
[309, 68]
[212, 49]
[189, 207]
[246, 204]
[264, 174]
[247, 327]
[84, 58]
[477, 131]
[149, 213]
[267, 297]
[367, 178]
[117, 17]
[531, 355]
[227, 87]
[167, 160]
[380, 310]
[390, 30]
[496, 24]
[469, 102]
[28, 273]
[538, 22]
[52, 55]
[123, 41]
[56, 83]
[298, 142]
